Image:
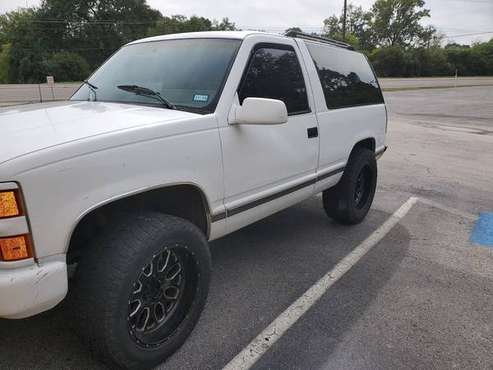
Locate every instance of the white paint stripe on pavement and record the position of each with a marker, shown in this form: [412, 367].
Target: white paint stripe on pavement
[443, 207]
[251, 353]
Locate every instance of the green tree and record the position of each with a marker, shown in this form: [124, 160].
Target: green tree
[223, 25]
[333, 27]
[94, 28]
[19, 29]
[471, 60]
[293, 29]
[427, 62]
[358, 30]
[61, 35]
[482, 53]
[389, 61]
[397, 23]
[66, 66]
[180, 24]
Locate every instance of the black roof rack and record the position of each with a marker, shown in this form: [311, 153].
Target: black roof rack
[306, 36]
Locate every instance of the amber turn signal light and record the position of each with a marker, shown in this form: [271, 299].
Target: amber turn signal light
[14, 248]
[9, 204]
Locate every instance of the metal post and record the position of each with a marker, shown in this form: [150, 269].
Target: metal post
[50, 81]
[40, 94]
[344, 21]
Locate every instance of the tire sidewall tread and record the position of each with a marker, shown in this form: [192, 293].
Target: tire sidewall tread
[108, 269]
[339, 201]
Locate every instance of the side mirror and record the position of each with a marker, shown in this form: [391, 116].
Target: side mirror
[259, 111]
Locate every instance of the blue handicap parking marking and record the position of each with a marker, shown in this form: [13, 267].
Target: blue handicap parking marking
[483, 230]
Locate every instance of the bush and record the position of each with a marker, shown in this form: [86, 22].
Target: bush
[434, 61]
[389, 61]
[28, 69]
[428, 62]
[66, 66]
[471, 61]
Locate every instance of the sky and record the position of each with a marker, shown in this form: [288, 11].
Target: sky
[454, 18]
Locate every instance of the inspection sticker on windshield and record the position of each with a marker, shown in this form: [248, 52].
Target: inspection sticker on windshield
[200, 98]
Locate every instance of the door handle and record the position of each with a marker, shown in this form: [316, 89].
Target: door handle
[312, 132]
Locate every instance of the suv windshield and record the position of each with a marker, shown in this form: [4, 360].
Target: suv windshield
[188, 73]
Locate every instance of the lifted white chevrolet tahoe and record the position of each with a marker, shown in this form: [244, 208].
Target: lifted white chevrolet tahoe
[175, 141]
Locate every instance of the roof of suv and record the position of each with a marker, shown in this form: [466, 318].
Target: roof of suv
[240, 35]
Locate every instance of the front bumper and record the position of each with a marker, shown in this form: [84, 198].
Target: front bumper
[28, 290]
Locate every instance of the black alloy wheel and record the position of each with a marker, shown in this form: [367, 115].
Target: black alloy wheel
[161, 296]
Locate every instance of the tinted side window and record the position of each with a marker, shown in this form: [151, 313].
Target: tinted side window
[346, 77]
[275, 73]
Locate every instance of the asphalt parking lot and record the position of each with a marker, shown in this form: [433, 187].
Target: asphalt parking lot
[420, 298]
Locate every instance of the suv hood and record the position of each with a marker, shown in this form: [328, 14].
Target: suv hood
[30, 128]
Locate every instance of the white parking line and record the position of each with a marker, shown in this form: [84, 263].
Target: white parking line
[251, 353]
[434, 204]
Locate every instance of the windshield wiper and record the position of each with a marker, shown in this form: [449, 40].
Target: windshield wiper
[144, 91]
[92, 87]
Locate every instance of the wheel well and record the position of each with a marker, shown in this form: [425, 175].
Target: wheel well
[366, 144]
[185, 201]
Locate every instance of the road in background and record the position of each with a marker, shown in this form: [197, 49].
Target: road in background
[433, 82]
[13, 94]
[421, 298]
[21, 94]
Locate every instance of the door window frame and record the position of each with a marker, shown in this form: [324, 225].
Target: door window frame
[271, 45]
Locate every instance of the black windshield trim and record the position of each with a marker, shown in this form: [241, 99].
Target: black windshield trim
[146, 104]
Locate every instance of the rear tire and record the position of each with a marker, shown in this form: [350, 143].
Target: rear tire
[350, 200]
[139, 290]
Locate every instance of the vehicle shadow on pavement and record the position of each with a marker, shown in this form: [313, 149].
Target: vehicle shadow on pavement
[257, 273]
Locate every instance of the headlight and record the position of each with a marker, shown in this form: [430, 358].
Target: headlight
[15, 242]
[10, 204]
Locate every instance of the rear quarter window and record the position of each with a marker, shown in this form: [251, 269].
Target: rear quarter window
[346, 77]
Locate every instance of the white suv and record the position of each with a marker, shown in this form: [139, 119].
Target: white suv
[175, 141]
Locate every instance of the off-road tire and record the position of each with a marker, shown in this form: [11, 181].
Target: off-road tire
[107, 273]
[340, 202]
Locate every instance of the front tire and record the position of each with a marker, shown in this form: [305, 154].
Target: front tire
[350, 200]
[139, 290]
